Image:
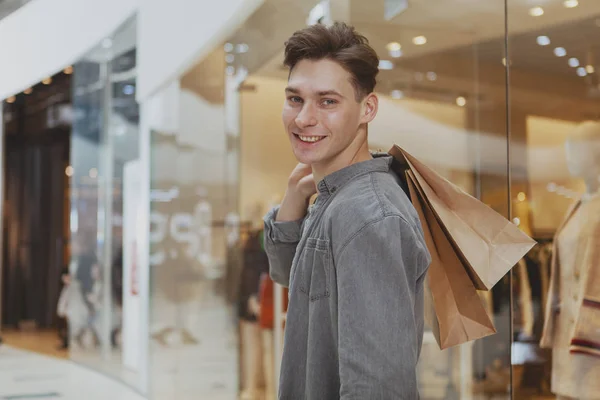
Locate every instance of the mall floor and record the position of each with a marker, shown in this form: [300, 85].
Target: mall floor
[31, 367]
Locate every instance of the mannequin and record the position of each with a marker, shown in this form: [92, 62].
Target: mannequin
[572, 323]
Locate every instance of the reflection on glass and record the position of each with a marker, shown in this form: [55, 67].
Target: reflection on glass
[104, 142]
[556, 148]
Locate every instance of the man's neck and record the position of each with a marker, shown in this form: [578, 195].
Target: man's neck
[345, 159]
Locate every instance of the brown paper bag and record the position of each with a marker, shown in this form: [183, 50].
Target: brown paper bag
[459, 315]
[486, 243]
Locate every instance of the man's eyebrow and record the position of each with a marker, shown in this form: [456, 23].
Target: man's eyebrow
[329, 93]
[293, 90]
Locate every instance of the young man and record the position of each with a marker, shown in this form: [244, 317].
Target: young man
[355, 262]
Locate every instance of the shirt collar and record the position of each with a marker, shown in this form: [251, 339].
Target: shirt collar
[381, 162]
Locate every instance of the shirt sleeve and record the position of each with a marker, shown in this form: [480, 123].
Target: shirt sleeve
[380, 273]
[281, 240]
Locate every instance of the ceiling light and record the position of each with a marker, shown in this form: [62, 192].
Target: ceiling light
[581, 71]
[47, 81]
[386, 64]
[229, 58]
[571, 3]
[69, 171]
[228, 47]
[560, 52]
[432, 76]
[536, 12]
[461, 101]
[11, 99]
[28, 90]
[128, 90]
[396, 53]
[397, 94]
[242, 48]
[521, 196]
[419, 40]
[573, 62]
[394, 49]
[590, 69]
[517, 221]
[393, 46]
[68, 70]
[543, 40]
[230, 70]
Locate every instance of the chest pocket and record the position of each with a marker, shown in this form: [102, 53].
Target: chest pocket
[314, 263]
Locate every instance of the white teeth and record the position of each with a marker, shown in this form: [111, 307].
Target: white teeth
[310, 139]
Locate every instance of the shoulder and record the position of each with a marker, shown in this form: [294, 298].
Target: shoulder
[371, 200]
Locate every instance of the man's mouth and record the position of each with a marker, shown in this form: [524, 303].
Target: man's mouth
[309, 139]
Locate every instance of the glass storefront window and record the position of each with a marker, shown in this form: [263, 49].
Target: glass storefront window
[555, 141]
[104, 144]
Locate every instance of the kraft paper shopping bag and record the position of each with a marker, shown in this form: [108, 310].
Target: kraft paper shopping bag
[486, 243]
[460, 315]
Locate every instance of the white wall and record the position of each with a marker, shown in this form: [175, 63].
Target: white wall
[176, 34]
[44, 36]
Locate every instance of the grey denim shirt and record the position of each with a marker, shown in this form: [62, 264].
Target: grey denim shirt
[355, 267]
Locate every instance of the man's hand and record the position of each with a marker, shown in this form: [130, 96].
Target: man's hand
[301, 186]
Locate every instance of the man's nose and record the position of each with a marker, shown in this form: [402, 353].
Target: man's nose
[306, 117]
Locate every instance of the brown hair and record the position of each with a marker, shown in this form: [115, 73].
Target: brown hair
[340, 43]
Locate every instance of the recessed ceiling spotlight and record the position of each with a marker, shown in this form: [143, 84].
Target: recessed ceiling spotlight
[392, 46]
[395, 49]
[432, 76]
[386, 64]
[536, 12]
[560, 52]
[47, 81]
[543, 40]
[419, 40]
[11, 99]
[242, 48]
[68, 70]
[571, 3]
[28, 90]
[573, 62]
[229, 58]
[581, 71]
[590, 69]
[397, 94]
[461, 101]
[228, 47]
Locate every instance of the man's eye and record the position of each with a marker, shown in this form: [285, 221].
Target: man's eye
[295, 99]
[329, 102]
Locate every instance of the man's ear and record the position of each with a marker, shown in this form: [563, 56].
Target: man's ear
[370, 105]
